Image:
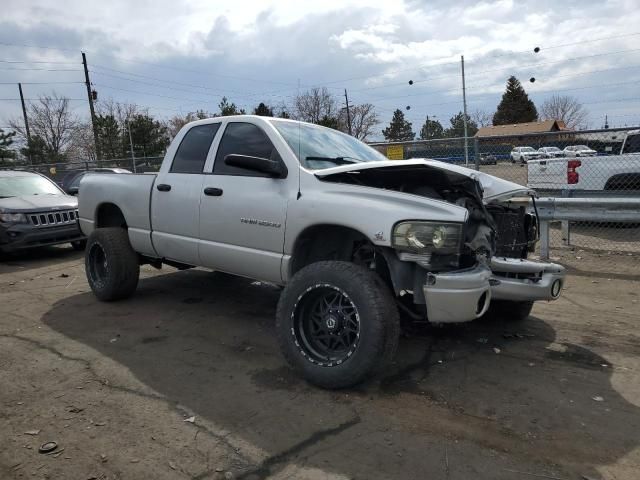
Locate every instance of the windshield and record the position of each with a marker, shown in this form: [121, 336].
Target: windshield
[552, 149]
[27, 185]
[319, 147]
[528, 149]
[581, 147]
[632, 144]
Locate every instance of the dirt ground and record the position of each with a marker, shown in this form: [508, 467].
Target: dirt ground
[185, 380]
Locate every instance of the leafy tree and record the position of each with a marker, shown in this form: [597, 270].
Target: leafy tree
[6, 139]
[227, 108]
[399, 129]
[37, 150]
[515, 106]
[565, 108]
[149, 136]
[263, 110]
[283, 114]
[431, 129]
[457, 126]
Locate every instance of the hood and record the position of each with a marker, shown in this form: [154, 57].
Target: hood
[494, 189]
[38, 203]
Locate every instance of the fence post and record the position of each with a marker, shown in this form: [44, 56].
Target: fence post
[476, 152]
[544, 240]
[566, 227]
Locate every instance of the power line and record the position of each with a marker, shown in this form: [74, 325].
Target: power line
[41, 69]
[40, 83]
[39, 61]
[37, 99]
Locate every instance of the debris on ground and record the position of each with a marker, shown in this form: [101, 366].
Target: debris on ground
[32, 432]
[172, 465]
[482, 340]
[48, 447]
[64, 275]
[496, 350]
[598, 398]
[190, 420]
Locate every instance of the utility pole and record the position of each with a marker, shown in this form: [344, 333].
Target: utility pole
[93, 112]
[426, 129]
[26, 122]
[348, 111]
[464, 106]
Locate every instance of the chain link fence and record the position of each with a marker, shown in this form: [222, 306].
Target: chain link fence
[588, 164]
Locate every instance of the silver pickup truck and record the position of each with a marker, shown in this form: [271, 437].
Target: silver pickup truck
[356, 240]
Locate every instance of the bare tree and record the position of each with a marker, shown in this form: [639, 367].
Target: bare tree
[565, 108]
[363, 120]
[120, 111]
[82, 145]
[51, 121]
[315, 105]
[175, 123]
[481, 118]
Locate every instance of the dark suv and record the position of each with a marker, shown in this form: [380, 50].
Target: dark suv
[35, 212]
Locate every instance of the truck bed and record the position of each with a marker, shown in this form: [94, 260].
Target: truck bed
[134, 199]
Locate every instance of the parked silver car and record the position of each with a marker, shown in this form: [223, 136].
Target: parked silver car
[579, 151]
[551, 152]
[523, 154]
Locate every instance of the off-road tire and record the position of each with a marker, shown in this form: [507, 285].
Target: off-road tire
[509, 310]
[379, 325]
[116, 277]
[79, 245]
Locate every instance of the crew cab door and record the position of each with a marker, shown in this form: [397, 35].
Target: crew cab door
[175, 199]
[243, 212]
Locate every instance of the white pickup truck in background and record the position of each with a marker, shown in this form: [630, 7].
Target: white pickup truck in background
[609, 172]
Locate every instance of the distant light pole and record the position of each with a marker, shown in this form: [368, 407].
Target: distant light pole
[133, 158]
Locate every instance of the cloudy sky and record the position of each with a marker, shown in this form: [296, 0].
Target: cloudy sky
[181, 55]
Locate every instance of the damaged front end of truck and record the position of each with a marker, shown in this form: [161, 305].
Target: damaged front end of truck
[452, 272]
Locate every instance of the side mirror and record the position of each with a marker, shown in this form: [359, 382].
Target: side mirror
[257, 164]
[73, 190]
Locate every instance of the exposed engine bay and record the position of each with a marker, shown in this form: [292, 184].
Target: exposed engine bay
[500, 229]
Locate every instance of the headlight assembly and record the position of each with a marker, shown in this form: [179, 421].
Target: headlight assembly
[427, 237]
[13, 218]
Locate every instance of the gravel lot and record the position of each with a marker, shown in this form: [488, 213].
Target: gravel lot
[185, 381]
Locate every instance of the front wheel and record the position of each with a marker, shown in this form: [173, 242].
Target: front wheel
[112, 266]
[337, 323]
[509, 310]
[79, 245]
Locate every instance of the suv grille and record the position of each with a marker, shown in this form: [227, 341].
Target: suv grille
[52, 219]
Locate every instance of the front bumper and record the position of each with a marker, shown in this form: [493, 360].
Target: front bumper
[23, 235]
[524, 280]
[465, 295]
[458, 296]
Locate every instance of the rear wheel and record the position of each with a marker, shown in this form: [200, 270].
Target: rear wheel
[112, 266]
[509, 310]
[337, 323]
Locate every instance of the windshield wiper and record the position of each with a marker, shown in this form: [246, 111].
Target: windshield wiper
[336, 160]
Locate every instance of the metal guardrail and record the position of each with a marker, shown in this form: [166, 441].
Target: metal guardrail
[566, 210]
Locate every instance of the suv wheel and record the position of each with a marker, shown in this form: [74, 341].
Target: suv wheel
[337, 323]
[111, 265]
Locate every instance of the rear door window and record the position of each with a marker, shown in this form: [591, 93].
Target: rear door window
[194, 147]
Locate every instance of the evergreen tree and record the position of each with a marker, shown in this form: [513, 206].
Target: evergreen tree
[263, 110]
[457, 126]
[227, 108]
[431, 129]
[515, 106]
[149, 136]
[399, 129]
[331, 122]
[6, 139]
[109, 136]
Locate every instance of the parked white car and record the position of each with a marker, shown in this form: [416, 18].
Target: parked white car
[579, 151]
[524, 154]
[551, 152]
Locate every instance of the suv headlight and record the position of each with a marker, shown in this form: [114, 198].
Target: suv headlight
[13, 218]
[427, 237]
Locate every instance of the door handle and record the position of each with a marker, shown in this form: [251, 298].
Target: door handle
[213, 192]
[163, 187]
